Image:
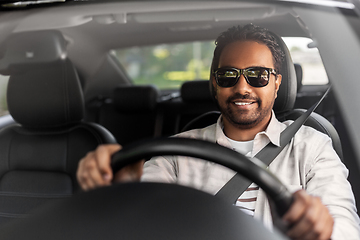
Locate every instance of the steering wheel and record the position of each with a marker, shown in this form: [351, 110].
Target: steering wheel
[156, 210]
[254, 169]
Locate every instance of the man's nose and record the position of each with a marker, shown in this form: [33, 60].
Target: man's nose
[242, 86]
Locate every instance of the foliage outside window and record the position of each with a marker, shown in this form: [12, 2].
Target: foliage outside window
[167, 65]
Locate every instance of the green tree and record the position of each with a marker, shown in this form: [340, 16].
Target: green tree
[154, 64]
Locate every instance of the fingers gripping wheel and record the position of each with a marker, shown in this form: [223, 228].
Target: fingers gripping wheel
[254, 169]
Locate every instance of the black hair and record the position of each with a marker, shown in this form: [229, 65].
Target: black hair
[253, 33]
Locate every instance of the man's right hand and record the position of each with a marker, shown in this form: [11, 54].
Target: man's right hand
[94, 169]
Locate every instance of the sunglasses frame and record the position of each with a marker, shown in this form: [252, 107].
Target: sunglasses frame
[244, 72]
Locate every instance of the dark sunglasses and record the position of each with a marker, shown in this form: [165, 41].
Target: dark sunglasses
[255, 76]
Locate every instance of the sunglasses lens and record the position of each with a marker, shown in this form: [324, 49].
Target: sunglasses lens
[226, 77]
[258, 77]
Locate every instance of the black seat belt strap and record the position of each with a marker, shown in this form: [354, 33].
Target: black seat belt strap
[232, 190]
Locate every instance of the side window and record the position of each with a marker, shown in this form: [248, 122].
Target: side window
[303, 53]
[3, 103]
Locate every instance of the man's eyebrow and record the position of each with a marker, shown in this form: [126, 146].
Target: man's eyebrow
[258, 66]
[253, 66]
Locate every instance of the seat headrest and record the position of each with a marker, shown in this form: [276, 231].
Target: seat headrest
[286, 95]
[299, 75]
[44, 90]
[23, 50]
[135, 99]
[196, 91]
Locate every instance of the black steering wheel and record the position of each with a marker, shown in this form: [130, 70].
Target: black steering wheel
[254, 169]
[156, 210]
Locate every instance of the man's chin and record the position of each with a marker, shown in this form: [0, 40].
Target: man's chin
[243, 123]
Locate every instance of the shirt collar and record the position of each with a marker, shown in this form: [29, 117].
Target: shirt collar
[271, 133]
[273, 130]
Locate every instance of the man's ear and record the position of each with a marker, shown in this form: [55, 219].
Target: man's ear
[277, 84]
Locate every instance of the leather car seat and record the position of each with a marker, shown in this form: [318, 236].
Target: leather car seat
[130, 115]
[299, 76]
[39, 155]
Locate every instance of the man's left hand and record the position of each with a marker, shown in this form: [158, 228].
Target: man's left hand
[309, 218]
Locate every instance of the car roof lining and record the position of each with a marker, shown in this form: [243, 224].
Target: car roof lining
[92, 30]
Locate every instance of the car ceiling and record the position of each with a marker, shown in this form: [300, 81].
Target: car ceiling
[93, 29]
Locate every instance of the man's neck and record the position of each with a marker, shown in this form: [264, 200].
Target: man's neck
[247, 133]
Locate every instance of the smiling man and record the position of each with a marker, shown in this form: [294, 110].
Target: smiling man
[246, 108]
[245, 79]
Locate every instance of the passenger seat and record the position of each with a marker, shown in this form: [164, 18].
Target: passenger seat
[39, 155]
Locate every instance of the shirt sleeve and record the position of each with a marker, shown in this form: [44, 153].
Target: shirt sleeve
[327, 178]
[160, 169]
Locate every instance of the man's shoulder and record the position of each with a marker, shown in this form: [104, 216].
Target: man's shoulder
[308, 133]
[206, 133]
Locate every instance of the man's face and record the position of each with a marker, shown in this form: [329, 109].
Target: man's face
[242, 105]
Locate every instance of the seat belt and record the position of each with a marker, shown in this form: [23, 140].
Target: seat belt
[233, 189]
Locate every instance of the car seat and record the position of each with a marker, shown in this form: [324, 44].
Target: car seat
[39, 155]
[299, 76]
[283, 106]
[130, 115]
[194, 99]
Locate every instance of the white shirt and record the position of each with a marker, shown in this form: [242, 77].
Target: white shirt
[247, 200]
[307, 162]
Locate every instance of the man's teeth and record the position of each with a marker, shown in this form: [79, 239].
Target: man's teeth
[242, 103]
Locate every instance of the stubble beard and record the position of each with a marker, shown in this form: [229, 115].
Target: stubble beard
[243, 119]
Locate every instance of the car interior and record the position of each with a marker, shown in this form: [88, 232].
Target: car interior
[67, 92]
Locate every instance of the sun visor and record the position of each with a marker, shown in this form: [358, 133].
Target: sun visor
[25, 50]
